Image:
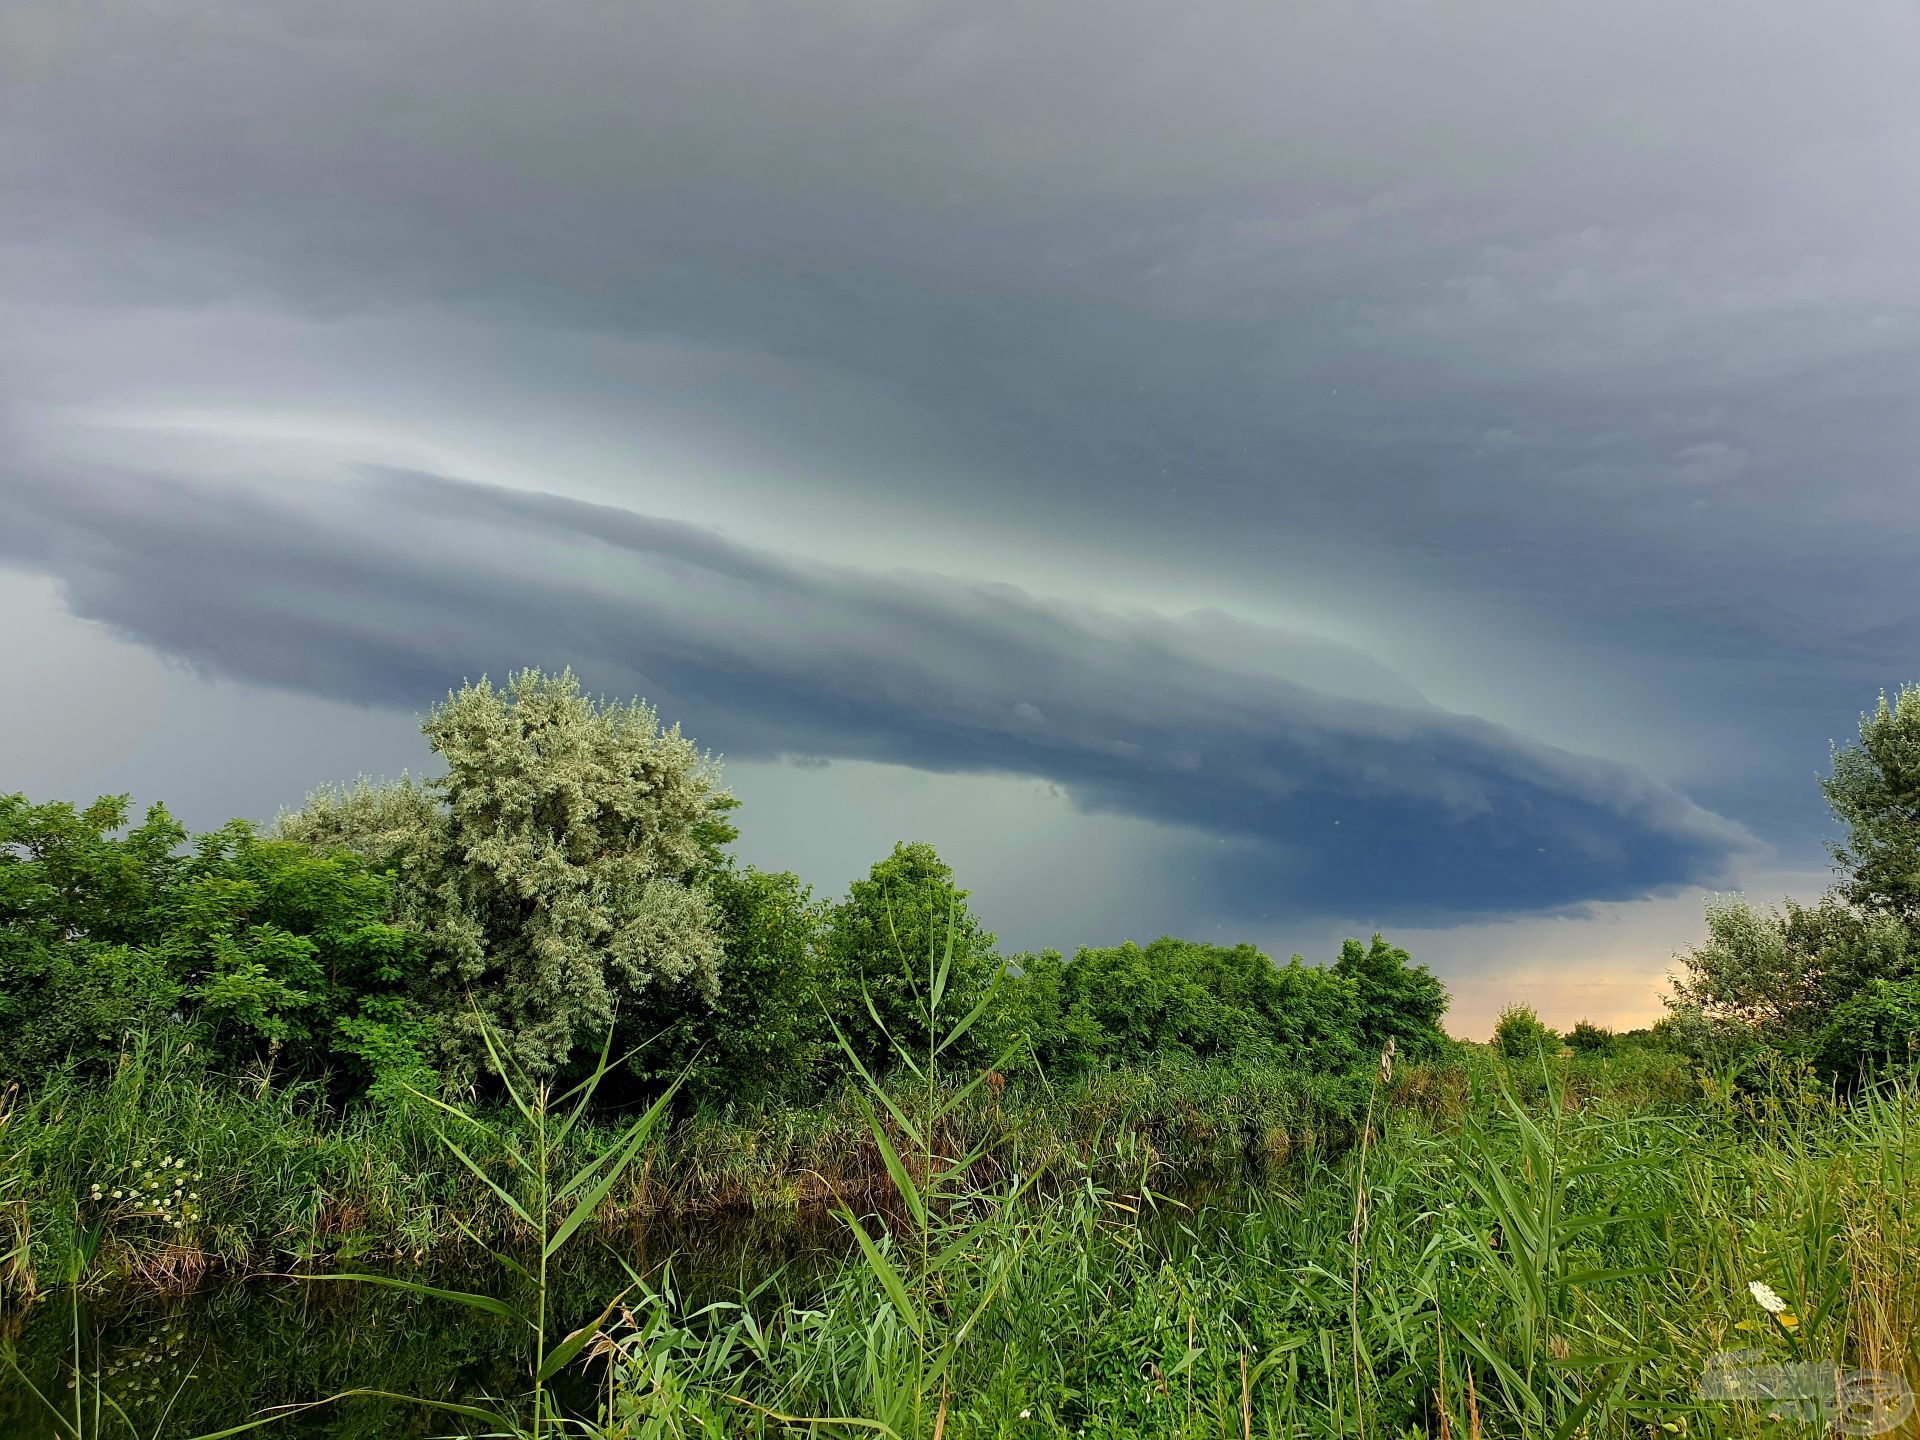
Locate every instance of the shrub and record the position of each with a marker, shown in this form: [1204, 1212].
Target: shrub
[1519, 1034]
[875, 947]
[267, 950]
[1877, 1029]
[761, 1037]
[1398, 1000]
[1589, 1039]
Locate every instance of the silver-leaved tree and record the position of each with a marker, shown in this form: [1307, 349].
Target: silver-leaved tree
[554, 871]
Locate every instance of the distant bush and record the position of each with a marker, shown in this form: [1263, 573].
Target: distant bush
[877, 945]
[1520, 1034]
[1589, 1039]
[1183, 1001]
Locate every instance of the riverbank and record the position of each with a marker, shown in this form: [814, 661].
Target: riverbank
[1515, 1251]
[166, 1170]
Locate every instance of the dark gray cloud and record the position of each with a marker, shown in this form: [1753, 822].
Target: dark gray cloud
[1338, 787]
[1561, 360]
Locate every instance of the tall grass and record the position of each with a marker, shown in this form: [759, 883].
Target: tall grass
[1552, 1269]
[283, 1179]
[1555, 1248]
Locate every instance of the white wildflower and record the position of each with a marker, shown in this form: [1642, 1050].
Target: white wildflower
[1764, 1295]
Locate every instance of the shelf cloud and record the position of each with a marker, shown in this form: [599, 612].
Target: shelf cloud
[1337, 786]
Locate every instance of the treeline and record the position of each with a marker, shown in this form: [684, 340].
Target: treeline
[567, 880]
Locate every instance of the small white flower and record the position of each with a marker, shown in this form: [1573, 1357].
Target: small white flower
[1026, 1414]
[1764, 1295]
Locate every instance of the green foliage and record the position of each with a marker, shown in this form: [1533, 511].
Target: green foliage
[1398, 1000]
[566, 877]
[1877, 1029]
[264, 950]
[555, 871]
[1786, 970]
[288, 956]
[1774, 981]
[1520, 1034]
[761, 1036]
[1566, 1267]
[1589, 1039]
[906, 908]
[76, 903]
[1768, 980]
[1180, 1001]
[1875, 791]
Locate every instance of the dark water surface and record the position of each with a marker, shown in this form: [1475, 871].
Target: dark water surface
[216, 1356]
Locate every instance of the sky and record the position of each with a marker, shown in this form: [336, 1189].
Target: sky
[1246, 471]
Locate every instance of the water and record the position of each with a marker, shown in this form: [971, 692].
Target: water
[216, 1356]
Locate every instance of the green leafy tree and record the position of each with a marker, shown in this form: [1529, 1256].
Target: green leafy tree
[1397, 998]
[1181, 1000]
[1589, 1039]
[287, 955]
[77, 902]
[270, 951]
[875, 947]
[1316, 1018]
[1874, 1030]
[556, 872]
[1778, 978]
[1043, 1034]
[1875, 790]
[760, 1036]
[1520, 1034]
[1784, 971]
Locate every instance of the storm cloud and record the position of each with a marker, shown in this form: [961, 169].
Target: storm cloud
[1289, 384]
[1341, 788]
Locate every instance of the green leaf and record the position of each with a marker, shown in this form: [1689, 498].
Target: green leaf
[883, 1270]
[902, 1181]
[965, 1024]
[485, 1179]
[562, 1354]
[629, 1147]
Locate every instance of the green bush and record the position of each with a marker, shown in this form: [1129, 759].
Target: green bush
[762, 1036]
[1589, 1039]
[1876, 1030]
[265, 951]
[875, 948]
[554, 874]
[1520, 1034]
[1182, 1001]
[1398, 1000]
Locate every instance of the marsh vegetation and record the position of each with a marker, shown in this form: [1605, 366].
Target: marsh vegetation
[507, 1103]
